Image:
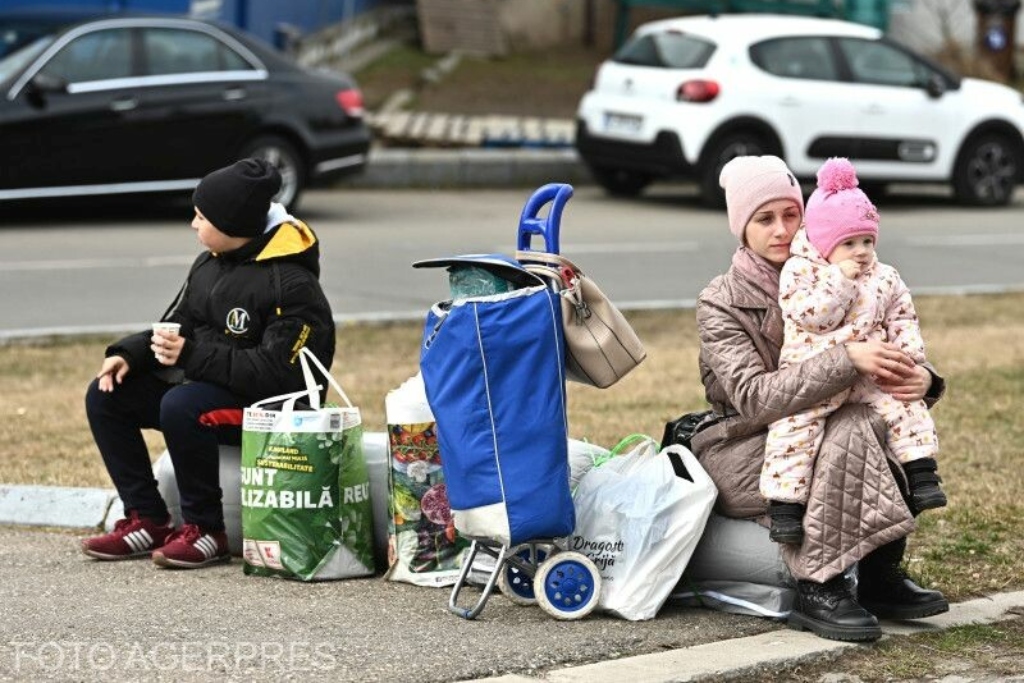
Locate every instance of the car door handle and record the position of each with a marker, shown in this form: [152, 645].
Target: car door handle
[790, 102]
[124, 104]
[874, 109]
[232, 94]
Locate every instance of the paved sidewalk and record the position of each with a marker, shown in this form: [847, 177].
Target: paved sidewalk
[71, 618]
[67, 617]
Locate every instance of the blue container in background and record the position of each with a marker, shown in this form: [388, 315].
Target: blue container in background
[274, 22]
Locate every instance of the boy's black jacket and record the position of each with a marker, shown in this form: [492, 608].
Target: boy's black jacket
[245, 314]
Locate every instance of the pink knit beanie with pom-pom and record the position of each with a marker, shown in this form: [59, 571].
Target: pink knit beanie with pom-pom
[838, 209]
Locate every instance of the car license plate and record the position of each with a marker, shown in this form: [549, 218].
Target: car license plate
[622, 123]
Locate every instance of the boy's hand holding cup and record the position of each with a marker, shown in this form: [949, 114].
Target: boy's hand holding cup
[166, 342]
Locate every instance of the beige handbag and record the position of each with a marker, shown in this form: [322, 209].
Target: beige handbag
[600, 345]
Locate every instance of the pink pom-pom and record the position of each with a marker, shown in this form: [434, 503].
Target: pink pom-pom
[837, 174]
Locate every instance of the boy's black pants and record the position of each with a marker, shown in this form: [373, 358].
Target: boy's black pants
[195, 419]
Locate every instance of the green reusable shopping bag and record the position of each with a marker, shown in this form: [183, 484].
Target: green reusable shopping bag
[306, 510]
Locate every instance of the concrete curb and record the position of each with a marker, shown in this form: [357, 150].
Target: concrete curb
[470, 168]
[54, 506]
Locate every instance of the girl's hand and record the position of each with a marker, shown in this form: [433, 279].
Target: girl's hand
[851, 269]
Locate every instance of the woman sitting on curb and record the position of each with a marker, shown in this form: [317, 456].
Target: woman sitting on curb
[856, 509]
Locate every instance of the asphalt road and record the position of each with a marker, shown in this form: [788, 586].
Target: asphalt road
[69, 268]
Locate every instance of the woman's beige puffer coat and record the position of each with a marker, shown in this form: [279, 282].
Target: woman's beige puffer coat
[855, 503]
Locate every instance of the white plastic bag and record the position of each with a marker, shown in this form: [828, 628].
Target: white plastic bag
[639, 521]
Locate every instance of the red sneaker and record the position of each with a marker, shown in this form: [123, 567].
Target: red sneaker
[190, 548]
[133, 536]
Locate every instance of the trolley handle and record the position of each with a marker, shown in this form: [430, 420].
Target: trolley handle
[557, 194]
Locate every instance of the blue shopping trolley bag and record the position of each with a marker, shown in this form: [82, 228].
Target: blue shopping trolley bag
[494, 371]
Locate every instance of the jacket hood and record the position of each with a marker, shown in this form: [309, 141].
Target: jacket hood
[292, 241]
[801, 246]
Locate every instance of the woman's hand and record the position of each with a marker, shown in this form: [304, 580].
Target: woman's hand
[167, 346]
[881, 361]
[910, 388]
[112, 372]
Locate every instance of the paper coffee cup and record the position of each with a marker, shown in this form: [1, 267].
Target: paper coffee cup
[173, 328]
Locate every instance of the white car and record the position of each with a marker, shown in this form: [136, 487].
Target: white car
[685, 95]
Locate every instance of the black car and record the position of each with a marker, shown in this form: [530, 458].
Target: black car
[119, 104]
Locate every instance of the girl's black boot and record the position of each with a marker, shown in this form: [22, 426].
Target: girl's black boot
[923, 480]
[787, 522]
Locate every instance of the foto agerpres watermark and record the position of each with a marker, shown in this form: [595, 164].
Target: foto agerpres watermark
[68, 656]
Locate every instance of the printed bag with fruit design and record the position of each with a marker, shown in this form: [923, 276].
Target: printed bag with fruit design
[306, 510]
[423, 547]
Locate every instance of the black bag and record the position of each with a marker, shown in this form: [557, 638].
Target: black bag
[683, 429]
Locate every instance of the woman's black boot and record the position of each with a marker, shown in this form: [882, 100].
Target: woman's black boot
[885, 589]
[923, 480]
[787, 522]
[829, 610]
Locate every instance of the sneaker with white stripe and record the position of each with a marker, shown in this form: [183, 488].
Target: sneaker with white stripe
[133, 536]
[190, 548]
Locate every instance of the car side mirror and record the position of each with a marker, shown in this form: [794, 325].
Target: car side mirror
[46, 83]
[936, 86]
[40, 86]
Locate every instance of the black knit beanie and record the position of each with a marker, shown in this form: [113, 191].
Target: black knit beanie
[236, 198]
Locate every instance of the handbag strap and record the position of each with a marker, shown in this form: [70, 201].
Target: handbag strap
[312, 388]
[563, 273]
[548, 274]
[547, 258]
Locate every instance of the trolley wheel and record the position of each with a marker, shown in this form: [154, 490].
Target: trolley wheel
[517, 584]
[569, 586]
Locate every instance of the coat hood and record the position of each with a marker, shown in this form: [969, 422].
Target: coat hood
[291, 241]
[801, 246]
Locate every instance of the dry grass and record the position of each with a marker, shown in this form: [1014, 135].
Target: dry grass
[972, 547]
[977, 652]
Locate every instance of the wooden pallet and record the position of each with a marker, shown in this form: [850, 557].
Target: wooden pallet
[428, 129]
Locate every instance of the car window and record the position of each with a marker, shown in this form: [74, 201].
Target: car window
[672, 50]
[803, 57]
[15, 61]
[175, 51]
[95, 56]
[879, 63]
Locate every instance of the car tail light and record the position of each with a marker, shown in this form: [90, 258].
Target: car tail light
[698, 91]
[351, 101]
